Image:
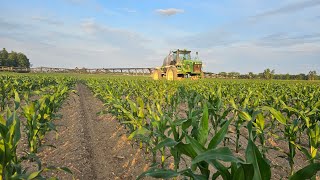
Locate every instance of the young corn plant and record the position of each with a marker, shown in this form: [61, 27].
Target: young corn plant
[9, 139]
[203, 156]
[290, 133]
[5, 92]
[217, 112]
[10, 164]
[136, 120]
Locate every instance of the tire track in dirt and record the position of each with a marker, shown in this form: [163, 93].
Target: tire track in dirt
[85, 117]
[93, 146]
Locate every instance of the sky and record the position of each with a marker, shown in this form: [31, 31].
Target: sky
[230, 35]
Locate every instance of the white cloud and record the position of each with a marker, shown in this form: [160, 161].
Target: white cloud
[170, 11]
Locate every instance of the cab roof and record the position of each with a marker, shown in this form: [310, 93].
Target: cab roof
[182, 51]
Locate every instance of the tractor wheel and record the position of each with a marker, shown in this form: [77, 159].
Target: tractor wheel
[171, 73]
[156, 74]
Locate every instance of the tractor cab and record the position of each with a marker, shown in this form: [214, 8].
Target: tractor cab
[186, 63]
[181, 55]
[177, 57]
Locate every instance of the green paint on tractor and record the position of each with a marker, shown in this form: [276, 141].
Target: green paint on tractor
[179, 64]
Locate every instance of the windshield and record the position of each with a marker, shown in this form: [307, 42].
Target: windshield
[184, 56]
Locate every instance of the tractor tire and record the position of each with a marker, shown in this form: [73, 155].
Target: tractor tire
[156, 74]
[172, 73]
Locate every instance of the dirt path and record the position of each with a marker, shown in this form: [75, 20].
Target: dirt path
[92, 146]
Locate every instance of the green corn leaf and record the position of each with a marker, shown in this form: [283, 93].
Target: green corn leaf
[233, 104]
[168, 142]
[223, 154]
[246, 100]
[216, 175]
[292, 110]
[186, 149]
[307, 172]
[34, 175]
[159, 173]
[179, 122]
[16, 100]
[2, 120]
[204, 126]
[244, 172]
[133, 105]
[219, 136]
[3, 130]
[140, 131]
[261, 167]
[197, 148]
[260, 121]
[223, 171]
[141, 107]
[276, 114]
[244, 115]
[195, 145]
[189, 173]
[64, 169]
[186, 124]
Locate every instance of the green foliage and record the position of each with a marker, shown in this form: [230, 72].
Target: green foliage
[13, 59]
[47, 94]
[191, 123]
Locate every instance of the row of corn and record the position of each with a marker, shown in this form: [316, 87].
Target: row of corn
[29, 104]
[193, 129]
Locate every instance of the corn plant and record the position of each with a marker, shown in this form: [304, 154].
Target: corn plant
[267, 109]
[10, 136]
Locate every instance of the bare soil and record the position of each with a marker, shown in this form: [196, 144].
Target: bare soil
[93, 146]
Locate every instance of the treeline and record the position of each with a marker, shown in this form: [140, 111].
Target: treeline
[13, 59]
[270, 74]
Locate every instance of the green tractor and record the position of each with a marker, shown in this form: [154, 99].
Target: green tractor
[177, 65]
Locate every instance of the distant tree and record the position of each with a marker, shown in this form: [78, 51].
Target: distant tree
[268, 74]
[278, 76]
[244, 76]
[234, 74]
[312, 75]
[3, 57]
[272, 74]
[223, 74]
[251, 75]
[13, 59]
[23, 61]
[287, 76]
[301, 76]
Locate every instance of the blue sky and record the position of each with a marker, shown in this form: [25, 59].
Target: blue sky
[230, 35]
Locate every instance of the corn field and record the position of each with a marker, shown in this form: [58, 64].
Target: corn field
[204, 129]
[193, 128]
